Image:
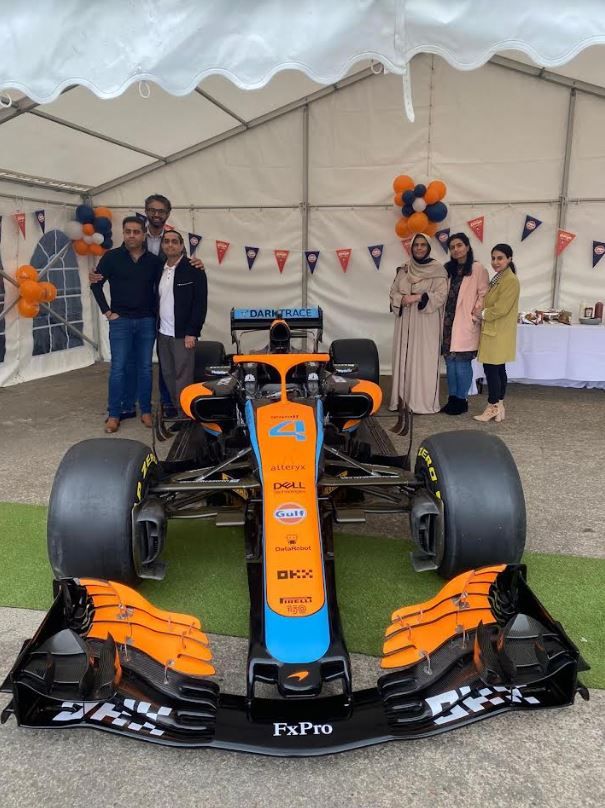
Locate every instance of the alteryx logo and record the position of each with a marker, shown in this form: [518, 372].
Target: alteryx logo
[291, 513]
[288, 429]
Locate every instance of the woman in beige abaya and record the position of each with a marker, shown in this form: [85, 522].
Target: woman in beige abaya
[418, 296]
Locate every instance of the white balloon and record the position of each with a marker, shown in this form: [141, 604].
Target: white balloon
[419, 204]
[73, 230]
[98, 238]
[88, 239]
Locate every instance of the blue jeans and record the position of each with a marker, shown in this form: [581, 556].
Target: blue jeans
[129, 402]
[459, 377]
[129, 337]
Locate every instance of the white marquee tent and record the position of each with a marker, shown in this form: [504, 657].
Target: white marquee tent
[282, 125]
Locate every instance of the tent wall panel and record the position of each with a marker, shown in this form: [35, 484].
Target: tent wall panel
[580, 283]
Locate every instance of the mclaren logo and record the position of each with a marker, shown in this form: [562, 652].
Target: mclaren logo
[300, 676]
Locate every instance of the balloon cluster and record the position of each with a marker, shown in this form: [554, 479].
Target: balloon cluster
[90, 231]
[421, 206]
[32, 291]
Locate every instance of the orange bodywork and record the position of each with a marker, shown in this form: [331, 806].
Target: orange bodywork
[193, 391]
[174, 640]
[417, 631]
[372, 390]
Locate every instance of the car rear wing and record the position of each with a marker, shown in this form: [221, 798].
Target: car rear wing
[299, 319]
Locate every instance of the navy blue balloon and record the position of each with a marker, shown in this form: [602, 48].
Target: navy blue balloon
[436, 212]
[107, 243]
[407, 210]
[85, 214]
[102, 225]
[408, 197]
[419, 190]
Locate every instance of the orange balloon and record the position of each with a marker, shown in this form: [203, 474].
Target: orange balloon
[398, 201]
[81, 247]
[26, 272]
[88, 229]
[403, 183]
[95, 249]
[27, 308]
[418, 222]
[435, 192]
[402, 228]
[49, 291]
[31, 291]
[103, 212]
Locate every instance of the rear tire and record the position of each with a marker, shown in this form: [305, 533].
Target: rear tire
[207, 354]
[361, 352]
[479, 485]
[89, 527]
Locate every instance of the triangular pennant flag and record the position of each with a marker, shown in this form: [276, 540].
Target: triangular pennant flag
[531, 224]
[20, 219]
[281, 256]
[406, 243]
[312, 257]
[344, 256]
[598, 251]
[375, 251]
[141, 217]
[564, 239]
[41, 219]
[443, 236]
[194, 242]
[221, 249]
[476, 225]
[251, 253]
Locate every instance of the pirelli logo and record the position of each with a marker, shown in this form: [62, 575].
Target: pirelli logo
[295, 600]
[283, 575]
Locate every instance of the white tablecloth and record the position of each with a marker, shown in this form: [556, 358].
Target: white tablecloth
[557, 355]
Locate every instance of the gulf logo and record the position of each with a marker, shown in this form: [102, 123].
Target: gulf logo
[290, 513]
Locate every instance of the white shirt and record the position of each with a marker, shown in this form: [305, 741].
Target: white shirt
[167, 301]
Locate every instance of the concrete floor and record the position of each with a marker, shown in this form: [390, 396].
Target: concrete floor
[550, 758]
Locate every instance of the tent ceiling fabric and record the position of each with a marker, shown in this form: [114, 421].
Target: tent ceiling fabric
[107, 45]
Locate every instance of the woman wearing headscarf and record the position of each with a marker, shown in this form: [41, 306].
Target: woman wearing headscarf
[418, 295]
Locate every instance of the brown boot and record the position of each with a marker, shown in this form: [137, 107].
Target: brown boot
[147, 420]
[112, 425]
[491, 411]
[501, 412]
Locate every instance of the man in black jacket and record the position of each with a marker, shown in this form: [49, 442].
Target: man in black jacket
[183, 301]
[133, 274]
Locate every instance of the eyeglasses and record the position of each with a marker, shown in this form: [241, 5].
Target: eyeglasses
[156, 211]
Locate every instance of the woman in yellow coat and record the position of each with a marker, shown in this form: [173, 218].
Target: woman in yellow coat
[498, 341]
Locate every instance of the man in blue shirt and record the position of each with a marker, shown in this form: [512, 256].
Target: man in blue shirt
[133, 273]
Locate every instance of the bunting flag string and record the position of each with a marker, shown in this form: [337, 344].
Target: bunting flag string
[194, 241]
[598, 251]
[530, 226]
[312, 258]
[41, 219]
[476, 225]
[221, 249]
[564, 239]
[344, 255]
[251, 254]
[443, 236]
[375, 251]
[20, 219]
[281, 256]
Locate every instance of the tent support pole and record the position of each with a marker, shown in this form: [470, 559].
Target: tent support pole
[563, 199]
[305, 203]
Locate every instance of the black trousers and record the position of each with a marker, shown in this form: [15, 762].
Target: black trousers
[495, 376]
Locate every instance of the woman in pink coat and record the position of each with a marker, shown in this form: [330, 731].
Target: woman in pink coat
[468, 284]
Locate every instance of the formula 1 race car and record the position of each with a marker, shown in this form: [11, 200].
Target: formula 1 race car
[286, 442]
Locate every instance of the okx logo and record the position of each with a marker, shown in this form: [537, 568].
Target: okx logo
[288, 429]
[283, 575]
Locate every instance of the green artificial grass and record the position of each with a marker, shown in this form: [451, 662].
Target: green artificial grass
[207, 577]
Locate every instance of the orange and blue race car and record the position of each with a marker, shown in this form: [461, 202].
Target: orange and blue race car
[285, 442]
